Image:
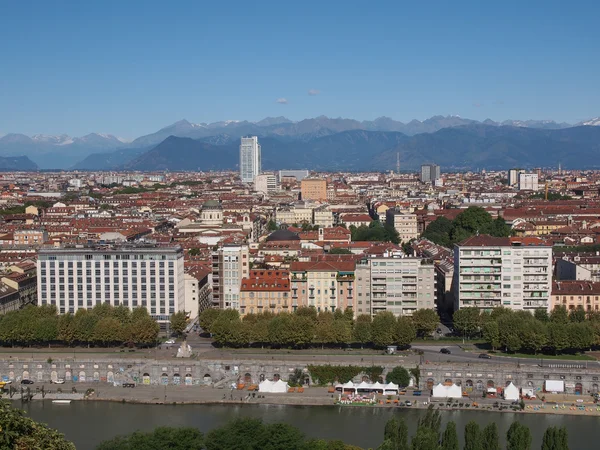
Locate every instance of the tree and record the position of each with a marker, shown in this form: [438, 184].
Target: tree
[558, 336]
[518, 437]
[473, 436]
[490, 438]
[466, 321]
[577, 315]
[395, 435]
[272, 225]
[541, 314]
[361, 332]
[405, 332]
[450, 437]
[107, 331]
[178, 322]
[398, 375]
[143, 331]
[559, 314]
[184, 438]
[491, 334]
[438, 231]
[19, 432]
[207, 318]
[425, 321]
[383, 329]
[66, 328]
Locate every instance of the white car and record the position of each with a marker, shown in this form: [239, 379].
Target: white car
[59, 381]
[170, 341]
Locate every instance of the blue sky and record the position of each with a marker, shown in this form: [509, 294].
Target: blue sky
[129, 68]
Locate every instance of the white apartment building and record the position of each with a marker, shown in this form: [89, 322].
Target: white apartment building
[133, 275]
[512, 272]
[231, 263]
[399, 285]
[250, 160]
[528, 182]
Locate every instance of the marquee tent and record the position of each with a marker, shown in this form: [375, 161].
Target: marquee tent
[442, 391]
[390, 388]
[511, 392]
[273, 386]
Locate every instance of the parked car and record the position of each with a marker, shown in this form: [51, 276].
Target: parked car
[445, 351]
[59, 381]
[408, 403]
[485, 356]
[26, 381]
[128, 385]
[170, 341]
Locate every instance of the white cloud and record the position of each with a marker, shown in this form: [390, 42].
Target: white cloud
[282, 101]
[314, 92]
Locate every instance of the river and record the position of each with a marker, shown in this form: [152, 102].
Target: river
[89, 423]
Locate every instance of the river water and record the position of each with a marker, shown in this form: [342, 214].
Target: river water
[89, 423]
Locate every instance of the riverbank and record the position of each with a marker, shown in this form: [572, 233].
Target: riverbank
[313, 396]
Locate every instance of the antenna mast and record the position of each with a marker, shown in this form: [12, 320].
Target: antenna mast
[398, 162]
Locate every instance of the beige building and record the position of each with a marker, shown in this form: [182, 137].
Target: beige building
[576, 294]
[265, 290]
[323, 216]
[197, 291]
[313, 189]
[404, 223]
[231, 263]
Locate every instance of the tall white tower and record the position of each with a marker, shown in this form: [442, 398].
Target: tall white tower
[250, 164]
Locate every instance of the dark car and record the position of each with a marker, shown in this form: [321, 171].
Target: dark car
[445, 351]
[26, 382]
[485, 356]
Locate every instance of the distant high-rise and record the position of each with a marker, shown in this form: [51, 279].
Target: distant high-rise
[430, 173]
[250, 164]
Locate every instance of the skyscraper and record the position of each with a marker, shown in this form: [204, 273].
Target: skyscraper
[249, 159]
[430, 173]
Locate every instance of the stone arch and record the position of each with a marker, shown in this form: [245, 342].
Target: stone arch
[261, 377]
[11, 375]
[188, 379]
[430, 383]
[507, 383]
[54, 375]
[146, 378]
[469, 383]
[458, 382]
[366, 379]
[594, 388]
[276, 377]
[82, 376]
[247, 378]
[448, 382]
[490, 383]
[164, 379]
[68, 375]
[176, 378]
[40, 376]
[530, 384]
[110, 377]
[96, 376]
[25, 375]
[578, 388]
[207, 378]
[479, 385]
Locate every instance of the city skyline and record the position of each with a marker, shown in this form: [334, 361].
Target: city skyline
[498, 62]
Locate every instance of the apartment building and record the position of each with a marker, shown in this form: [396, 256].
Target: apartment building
[197, 291]
[133, 275]
[265, 290]
[399, 285]
[325, 285]
[30, 237]
[528, 181]
[250, 159]
[576, 294]
[430, 173]
[404, 223]
[582, 267]
[323, 216]
[230, 264]
[265, 183]
[512, 272]
[313, 189]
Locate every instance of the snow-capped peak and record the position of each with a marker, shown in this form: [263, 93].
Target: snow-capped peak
[63, 139]
[595, 122]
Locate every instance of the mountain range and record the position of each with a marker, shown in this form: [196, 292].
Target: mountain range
[318, 143]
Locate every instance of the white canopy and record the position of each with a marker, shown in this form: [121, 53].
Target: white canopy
[442, 391]
[511, 392]
[554, 386]
[273, 386]
[377, 386]
[349, 385]
[364, 385]
[390, 387]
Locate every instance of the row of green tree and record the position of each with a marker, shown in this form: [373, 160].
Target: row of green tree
[102, 325]
[429, 436]
[471, 221]
[375, 232]
[307, 327]
[521, 331]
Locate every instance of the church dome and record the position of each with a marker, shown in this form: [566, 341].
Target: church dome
[282, 235]
[211, 204]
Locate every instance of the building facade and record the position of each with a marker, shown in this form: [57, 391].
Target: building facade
[430, 173]
[490, 272]
[250, 159]
[231, 263]
[265, 290]
[404, 223]
[528, 181]
[132, 275]
[576, 294]
[313, 189]
[265, 183]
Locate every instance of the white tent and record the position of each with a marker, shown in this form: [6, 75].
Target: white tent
[511, 392]
[265, 386]
[377, 386]
[273, 386]
[442, 391]
[554, 386]
[391, 388]
[349, 385]
[364, 386]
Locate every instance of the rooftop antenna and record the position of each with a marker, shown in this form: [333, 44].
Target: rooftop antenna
[398, 163]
